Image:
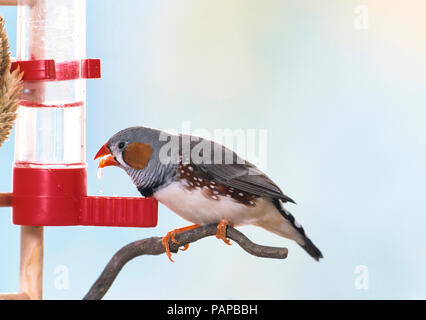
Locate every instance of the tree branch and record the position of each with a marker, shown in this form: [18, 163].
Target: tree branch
[153, 246]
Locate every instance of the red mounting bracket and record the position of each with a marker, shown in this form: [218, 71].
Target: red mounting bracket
[48, 70]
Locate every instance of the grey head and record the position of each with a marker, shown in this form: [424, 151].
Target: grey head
[139, 151]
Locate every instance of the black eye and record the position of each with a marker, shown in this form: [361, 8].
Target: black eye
[121, 145]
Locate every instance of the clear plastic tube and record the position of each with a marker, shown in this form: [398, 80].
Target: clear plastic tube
[50, 128]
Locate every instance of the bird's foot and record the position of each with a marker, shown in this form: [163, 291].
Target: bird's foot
[171, 236]
[221, 231]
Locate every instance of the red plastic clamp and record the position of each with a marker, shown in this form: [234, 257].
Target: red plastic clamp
[48, 70]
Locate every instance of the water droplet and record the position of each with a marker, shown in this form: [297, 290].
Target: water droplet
[99, 173]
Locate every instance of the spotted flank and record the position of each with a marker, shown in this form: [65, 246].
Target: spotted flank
[196, 179]
[310, 248]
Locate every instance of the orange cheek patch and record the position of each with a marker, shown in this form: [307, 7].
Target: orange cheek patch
[137, 155]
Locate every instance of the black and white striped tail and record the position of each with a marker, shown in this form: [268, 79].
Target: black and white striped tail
[309, 247]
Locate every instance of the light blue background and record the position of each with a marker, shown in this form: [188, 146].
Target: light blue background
[344, 109]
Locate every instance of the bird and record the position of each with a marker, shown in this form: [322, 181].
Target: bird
[203, 182]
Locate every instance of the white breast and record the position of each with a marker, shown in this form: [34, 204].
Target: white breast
[194, 206]
[197, 208]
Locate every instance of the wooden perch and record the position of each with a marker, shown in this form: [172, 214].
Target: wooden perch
[8, 2]
[14, 296]
[5, 200]
[153, 246]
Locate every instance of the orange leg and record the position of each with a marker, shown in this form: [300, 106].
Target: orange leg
[221, 231]
[171, 236]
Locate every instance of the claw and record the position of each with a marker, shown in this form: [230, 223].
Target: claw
[171, 236]
[221, 231]
[165, 243]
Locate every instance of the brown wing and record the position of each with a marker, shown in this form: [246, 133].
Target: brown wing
[245, 177]
[231, 170]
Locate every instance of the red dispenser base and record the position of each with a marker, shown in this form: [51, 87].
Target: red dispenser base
[58, 197]
[119, 212]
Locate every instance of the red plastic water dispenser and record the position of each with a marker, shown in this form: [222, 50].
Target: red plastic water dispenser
[49, 174]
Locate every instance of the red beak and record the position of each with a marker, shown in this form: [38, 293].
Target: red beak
[109, 161]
